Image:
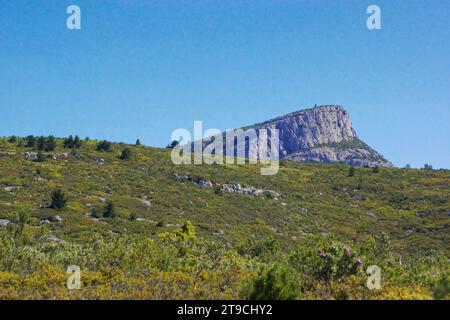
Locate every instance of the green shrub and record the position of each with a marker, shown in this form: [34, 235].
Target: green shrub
[50, 144]
[173, 144]
[72, 143]
[31, 141]
[40, 143]
[109, 210]
[218, 190]
[58, 199]
[126, 154]
[104, 145]
[330, 260]
[40, 157]
[276, 282]
[266, 250]
[351, 171]
[133, 216]
[441, 288]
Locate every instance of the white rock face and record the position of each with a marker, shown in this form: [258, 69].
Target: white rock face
[312, 127]
[321, 134]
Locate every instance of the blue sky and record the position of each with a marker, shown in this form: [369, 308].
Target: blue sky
[144, 68]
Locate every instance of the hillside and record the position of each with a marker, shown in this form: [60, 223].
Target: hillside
[152, 196]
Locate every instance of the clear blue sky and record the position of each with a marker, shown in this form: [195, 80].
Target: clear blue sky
[144, 68]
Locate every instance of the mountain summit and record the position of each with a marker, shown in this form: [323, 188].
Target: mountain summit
[321, 134]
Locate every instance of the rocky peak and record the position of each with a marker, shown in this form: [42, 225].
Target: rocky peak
[313, 127]
[322, 134]
[319, 134]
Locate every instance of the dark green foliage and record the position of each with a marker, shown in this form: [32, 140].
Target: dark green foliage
[376, 169]
[109, 211]
[97, 212]
[50, 144]
[31, 141]
[398, 197]
[266, 250]
[441, 288]
[160, 224]
[138, 143]
[173, 144]
[277, 282]
[126, 154]
[72, 143]
[327, 260]
[46, 144]
[104, 145]
[59, 199]
[133, 216]
[427, 166]
[40, 143]
[218, 190]
[12, 139]
[40, 157]
[17, 225]
[351, 171]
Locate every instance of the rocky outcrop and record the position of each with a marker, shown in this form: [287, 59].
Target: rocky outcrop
[228, 187]
[320, 134]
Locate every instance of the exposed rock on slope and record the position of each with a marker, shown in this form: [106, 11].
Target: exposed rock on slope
[228, 187]
[321, 134]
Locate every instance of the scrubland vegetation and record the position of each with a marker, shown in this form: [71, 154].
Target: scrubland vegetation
[116, 211]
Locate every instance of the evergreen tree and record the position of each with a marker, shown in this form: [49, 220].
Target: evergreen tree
[72, 143]
[126, 154]
[31, 141]
[40, 143]
[77, 142]
[50, 143]
[276, 282]
[104, 145]
[109, 211]
[351, 171]
[68, 142]
[173, 144]
[59, 199]
[138, 142]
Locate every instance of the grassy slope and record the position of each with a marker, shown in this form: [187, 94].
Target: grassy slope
[411, 206]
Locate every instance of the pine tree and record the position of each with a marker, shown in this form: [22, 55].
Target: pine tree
[40, 143]
[173, 144]
[68, 142]
[351, 171]
[59, 199]
[77, 142]
[50, 143]
[126, 154]
[104, 145]
[109, 211]
[31, 141]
